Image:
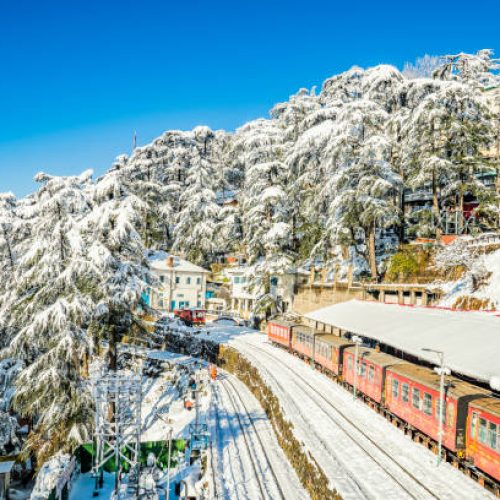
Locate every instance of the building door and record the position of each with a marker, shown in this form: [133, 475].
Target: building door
[172, 305]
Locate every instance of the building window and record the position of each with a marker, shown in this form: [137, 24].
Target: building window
[236, 280]
[415, 398]
[162, 279]
[177, 280]
[427, 403]
[395, 388]
[198, 281]
[199, 303]
[405, 392]
[188, 280]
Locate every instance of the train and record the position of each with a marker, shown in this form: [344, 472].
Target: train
[408, 394]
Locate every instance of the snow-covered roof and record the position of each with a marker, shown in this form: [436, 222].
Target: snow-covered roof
[158, 262]
[470, 340]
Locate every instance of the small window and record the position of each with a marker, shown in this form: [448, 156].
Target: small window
[199, 304]
[349, 364]
[405, 391]
[188, 280]
[415, 398]
[427, 403]
[438, 405]
[198, 281]
[362, 370]
[492, 435]
[236, 280]
[371, 373]
[177, 280]
[482, 430]
[162, 279]
[473, 426]
[395, 388]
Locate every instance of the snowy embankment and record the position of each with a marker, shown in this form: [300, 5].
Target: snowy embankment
[362, 454]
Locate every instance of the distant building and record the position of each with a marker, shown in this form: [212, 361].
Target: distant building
[243, 300]
[181, 284]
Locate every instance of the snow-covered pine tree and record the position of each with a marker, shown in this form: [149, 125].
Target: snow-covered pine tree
[362, 179]
[9, 237]
[116, 251]
[196, 226]
[53, 307]
[445, 137]
[266, 211]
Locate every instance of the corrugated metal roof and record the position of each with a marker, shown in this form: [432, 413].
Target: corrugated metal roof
[470, 340]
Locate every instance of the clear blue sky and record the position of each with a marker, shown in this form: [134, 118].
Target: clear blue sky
[78, 77]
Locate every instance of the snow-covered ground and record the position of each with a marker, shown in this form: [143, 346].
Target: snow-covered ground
[245, 457]
[363, 455]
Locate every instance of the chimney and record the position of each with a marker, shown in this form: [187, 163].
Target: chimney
[170, 261]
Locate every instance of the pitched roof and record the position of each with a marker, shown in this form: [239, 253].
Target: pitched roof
[470, 340]
[158, 261]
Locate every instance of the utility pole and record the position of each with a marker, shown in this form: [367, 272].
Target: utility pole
[442, 371]
[357, 341]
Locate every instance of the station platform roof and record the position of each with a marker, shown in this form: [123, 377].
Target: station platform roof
[470, 340]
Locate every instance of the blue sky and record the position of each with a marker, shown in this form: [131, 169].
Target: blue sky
[77, 78]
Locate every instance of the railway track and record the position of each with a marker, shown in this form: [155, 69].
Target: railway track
[251, 438]
[410, 486]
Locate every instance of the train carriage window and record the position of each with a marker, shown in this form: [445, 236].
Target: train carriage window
[492, 435]
[473, 425]
[438, 405]
[371, 373]
[395, 388]
[405, 393]
[482, 430]
[362, 369]
[451, 414]
[349, 364]
[415, 397]
[427, 403]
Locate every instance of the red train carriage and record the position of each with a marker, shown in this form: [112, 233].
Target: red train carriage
[483, 435]
[412, 393]
[303, 340]
[279, 331]
[328, 352]
[372, 368]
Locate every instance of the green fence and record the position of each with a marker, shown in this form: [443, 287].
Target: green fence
[85, 455]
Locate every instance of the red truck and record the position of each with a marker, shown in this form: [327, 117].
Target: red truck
[191, 317]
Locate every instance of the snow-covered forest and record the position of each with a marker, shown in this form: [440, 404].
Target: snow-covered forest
[322, 178]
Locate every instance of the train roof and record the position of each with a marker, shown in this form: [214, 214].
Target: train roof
[425, 376]
[468, 339]
[283, 322]
[377, 357]
[488, 405]
[334, 340]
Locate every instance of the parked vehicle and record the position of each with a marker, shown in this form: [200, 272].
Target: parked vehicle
[191, 317]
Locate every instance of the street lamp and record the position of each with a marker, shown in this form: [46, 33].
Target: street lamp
[357, 341]
[442, 371]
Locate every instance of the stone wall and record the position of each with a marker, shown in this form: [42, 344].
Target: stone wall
[311, 297]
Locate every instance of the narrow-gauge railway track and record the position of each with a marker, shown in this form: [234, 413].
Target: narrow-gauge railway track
[236, 395]
[416, 484]
[239, 413]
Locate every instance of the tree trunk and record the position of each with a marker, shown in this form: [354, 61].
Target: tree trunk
[371, 252]
[435, 207]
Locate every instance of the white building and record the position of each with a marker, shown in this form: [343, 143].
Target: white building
[243, 300]
[181, 284]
